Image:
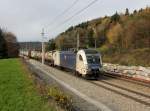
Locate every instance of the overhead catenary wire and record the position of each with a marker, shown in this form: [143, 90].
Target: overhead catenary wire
[77, 13]
[65, 11]
[62, 13]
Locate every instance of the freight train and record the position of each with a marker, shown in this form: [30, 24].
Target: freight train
[85, 62]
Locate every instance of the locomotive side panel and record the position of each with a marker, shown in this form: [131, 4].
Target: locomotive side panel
[68, 60]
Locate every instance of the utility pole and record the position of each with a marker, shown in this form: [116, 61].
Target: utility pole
[26, 46]
[95, 44]
[95, 31]
[78, 41]
[43, 47]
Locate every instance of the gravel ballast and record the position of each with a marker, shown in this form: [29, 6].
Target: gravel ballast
[99, 97]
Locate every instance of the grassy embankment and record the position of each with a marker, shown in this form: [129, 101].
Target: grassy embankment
[137, 57]
[17, 91]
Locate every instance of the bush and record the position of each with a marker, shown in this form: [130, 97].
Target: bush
[60, 97]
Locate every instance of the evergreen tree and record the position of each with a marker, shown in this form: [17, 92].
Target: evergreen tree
[12, 44]
[115, 17]
[135, 12]
[51, 45]
[3, 51]
[127, 12]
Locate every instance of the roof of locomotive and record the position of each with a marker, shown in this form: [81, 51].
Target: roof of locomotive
[90, 51]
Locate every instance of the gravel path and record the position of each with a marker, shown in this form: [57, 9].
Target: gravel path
[111, 99]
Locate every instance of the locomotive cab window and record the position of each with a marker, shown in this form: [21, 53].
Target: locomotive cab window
[93, 59]
[80, 58]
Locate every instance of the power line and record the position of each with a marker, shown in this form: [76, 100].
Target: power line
[77, 13]
[64, 12]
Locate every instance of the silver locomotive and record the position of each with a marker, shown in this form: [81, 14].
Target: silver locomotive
[86, 62]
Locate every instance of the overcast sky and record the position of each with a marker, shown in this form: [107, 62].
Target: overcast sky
[25, 18]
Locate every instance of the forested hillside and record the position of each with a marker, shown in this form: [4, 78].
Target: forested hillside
[122, 38]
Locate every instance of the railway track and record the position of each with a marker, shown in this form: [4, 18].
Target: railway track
[123, 91]
[128, 93]
[131, 94]
[128, 79]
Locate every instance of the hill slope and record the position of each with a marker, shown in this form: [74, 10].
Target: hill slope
[125, 37]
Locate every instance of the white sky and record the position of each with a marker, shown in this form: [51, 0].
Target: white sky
[26, 18]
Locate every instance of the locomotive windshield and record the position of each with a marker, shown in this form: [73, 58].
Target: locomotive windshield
[93, 59]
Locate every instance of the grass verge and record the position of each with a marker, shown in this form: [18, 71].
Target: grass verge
[17, 91]
[51, 92]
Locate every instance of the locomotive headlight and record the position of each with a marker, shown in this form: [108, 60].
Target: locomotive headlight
[87, 67]
[99, 69]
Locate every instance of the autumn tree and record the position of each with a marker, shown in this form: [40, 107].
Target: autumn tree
[138, 34]
[114, 36]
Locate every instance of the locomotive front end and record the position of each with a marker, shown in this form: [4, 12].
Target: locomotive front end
[89, 62]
